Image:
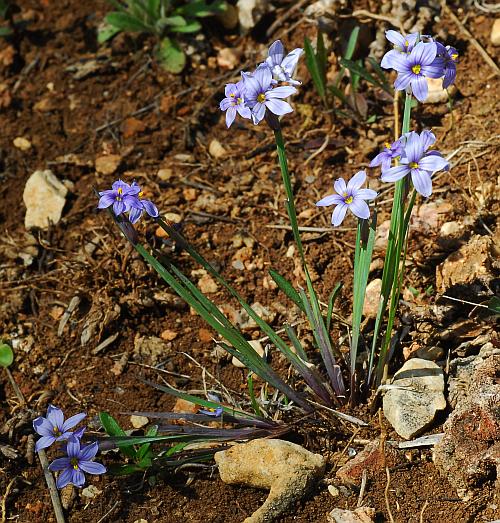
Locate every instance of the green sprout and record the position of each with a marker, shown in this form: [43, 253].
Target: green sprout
[163, 18]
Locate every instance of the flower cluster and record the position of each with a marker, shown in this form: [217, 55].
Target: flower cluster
[417, 161]
[78, 459]
[413, 158]
[265, 89]
[127, 198]
[416, 57]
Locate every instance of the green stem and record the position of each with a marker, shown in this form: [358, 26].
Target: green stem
[290, 203]
[393, 269]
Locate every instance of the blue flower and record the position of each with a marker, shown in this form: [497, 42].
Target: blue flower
[418, 163]
[138, 205]
[389, 153]
[349, 196]
[260, 94]
[415, 67]
[120, 196]
[283, 67]
[234, 103]
[78, 460]
[54, 428]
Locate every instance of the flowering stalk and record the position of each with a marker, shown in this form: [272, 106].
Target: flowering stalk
[392, 275]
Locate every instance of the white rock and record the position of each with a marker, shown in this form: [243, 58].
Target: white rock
[372, 298]
[333, 490]
[451, 228]
[250, 12]
[138, 421]
[44, 196]
[437, 94]
[418, 394]
[359, 515]
[287, 469]
[257, 345]
[91, 492]
[495, 32]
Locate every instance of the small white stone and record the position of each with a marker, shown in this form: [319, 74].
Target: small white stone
[450, 228]
[91, 492]
[250, 12]
[257, 345]
[138, 421]
[495, 32]
[44, 196]
[437, 93]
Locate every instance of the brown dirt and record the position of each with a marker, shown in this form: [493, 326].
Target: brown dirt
[130, 107]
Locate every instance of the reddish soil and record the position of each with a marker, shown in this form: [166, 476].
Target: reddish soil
[153, 120]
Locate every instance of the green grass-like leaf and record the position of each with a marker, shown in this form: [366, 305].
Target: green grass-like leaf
[112, 428]
[315, 68]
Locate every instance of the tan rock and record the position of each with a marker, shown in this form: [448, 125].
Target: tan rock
[22, 143]
[417, 394]
[108, 163]
[495, 32]
[287, 469]
[216, 149]
[372, 298]
[472, 262]
[138, 421]
[185, 406]
[44, 196]
[168, 335]
[228, 58]
[359, 515]
[165, 174]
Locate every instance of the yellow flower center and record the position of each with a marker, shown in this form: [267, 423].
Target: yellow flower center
[56, 431]
[261, 98]
[454, 56]
[74, 463]
[232, 95]
[141, 194]
[348, 199]
[416, 69]
[413, 165]
[120, 190]
[407, 43]
[239, 100]
[387, 145]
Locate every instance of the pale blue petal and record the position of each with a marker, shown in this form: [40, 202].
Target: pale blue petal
[278, 107]
[432, 163]
[366, 194]
[422, 182]
[60, 464]
[338, 214]
[331, 199]
[360, 209]
[340, 186]
[395, 173]
[356, 181]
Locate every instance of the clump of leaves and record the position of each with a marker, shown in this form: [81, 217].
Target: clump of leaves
[165, 19]
[354, 103]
